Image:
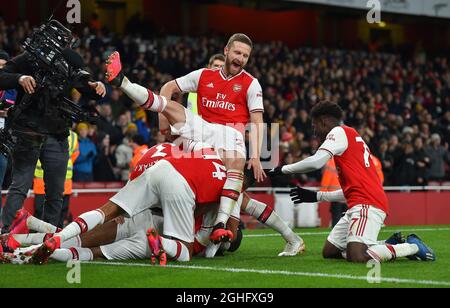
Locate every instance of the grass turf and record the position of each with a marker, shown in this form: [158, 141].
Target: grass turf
[254, 265]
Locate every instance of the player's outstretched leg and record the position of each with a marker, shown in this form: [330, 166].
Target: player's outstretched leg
[144, 97]
[163, 249]
[267, 216]
[413, 249]
[24, 222]
[395, 239]
[424, 253]
[80, 225]
[73, 253]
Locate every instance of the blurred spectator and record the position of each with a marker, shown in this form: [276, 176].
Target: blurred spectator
[330, 182]
[406, 168]
[438, 156]
[94, 23]
[124, 152]
[389, 98]
[141, 123]
[139, 148]
[104, 167]
[105, 123]
[422, 162]
[386, 161]
[84, 165]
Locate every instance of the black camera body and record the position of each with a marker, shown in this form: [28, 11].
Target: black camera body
[46, 45]
[54, 65]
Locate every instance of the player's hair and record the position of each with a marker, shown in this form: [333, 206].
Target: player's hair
[218, 56]
[326, 108]
[240, 37]
[138, 139]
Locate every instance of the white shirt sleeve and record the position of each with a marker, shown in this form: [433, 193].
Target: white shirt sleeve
[189, 83]
[312, 163]
[331, 196]
[336, 142]
[255, 97]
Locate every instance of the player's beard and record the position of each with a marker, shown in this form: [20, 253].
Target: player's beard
[233, 67]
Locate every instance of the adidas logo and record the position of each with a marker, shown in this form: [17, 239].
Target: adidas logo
[211, 85]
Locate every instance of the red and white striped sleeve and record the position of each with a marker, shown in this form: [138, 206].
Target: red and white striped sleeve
[255, 97]
[336, 142]
[189, 83]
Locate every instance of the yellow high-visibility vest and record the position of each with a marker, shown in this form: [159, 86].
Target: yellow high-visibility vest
[73, 148]
[192, 103]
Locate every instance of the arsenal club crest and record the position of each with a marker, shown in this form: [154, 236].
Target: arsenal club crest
[237, 88]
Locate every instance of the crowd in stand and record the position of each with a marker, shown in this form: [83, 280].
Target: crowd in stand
[399, 105]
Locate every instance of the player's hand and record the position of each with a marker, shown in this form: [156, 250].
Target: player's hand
[220, 234]
[28, 84]
[258, 171]
[301, 195]
[99, 87]
[275, 172]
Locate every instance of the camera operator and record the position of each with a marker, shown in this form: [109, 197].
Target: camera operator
[7, 99]
[40, 131]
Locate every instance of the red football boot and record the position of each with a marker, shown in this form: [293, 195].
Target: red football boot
[220, 234]
[19, 224]
[155, 243]
[43, 253]
[114, 73]
[8, 243]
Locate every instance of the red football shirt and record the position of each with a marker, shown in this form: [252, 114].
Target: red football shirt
[204, 172]
[151, 157]
[357, 173]
[224, 100]
[203, 169]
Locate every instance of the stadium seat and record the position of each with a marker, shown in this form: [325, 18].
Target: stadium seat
[94, 185]
[114, 185]
[77, 185]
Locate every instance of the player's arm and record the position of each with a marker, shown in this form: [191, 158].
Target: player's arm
[256, 141]
[336, 143]
[185, 84]
[168, 91]
[256, 108]
[301, 195]
[312, 163]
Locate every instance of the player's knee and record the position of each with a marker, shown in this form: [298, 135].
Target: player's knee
[357, 256]
[190, 249]
[326, 254]
[329, 251]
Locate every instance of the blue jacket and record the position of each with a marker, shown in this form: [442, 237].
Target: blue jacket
[143, 130]
[88, 152]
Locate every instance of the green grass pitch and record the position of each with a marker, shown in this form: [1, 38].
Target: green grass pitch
[254, 265]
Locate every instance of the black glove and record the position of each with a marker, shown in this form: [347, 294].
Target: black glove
[301, 195]
[275, 172]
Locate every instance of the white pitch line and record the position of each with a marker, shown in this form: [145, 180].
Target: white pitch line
[326, 233]
[275, 272]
